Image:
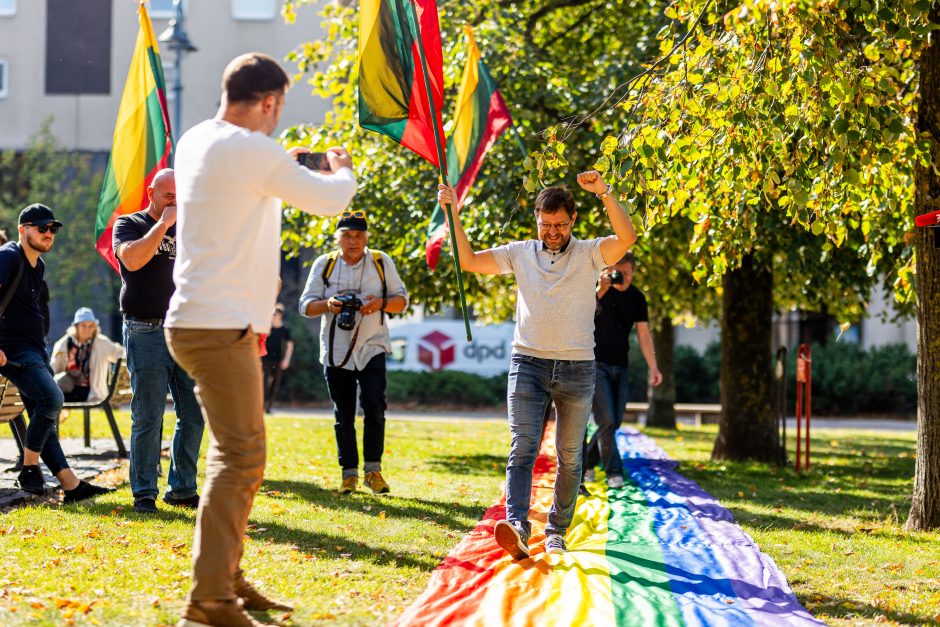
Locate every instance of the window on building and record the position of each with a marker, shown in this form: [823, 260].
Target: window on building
[78, 47]
[7, 7]
[162, 9]
[254, 9]
[3, 79]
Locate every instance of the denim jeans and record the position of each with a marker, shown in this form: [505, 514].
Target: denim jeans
[153, 371]
[533, 383]
[42, 399]
[610, 398]
[370, 382]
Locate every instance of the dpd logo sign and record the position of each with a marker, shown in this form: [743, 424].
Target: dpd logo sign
[436, 350]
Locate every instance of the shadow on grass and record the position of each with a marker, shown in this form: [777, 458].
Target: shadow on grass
[853, 609]
[446, 513]
[343, 548]
[480, 464]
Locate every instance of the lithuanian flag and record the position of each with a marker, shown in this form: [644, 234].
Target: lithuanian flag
[142, 144]
[393, 97]
[480, 117]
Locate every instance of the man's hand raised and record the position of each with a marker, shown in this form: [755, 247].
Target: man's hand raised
[339, 158]
[592, 181]
[447, 196]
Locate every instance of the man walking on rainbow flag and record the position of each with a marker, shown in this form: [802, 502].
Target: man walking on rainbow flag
[553, 346]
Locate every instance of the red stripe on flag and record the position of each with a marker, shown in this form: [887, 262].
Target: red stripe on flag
[497, 121]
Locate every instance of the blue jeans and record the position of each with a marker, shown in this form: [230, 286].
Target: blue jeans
[153, 371]
[42, 399]
[610, 398]
[533, 383]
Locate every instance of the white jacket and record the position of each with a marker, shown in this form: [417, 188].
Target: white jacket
[104, 351]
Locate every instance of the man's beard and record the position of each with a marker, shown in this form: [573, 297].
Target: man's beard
[560, 243]
[38, 243]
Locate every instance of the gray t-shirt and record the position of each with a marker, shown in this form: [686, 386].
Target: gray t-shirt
[555, 302]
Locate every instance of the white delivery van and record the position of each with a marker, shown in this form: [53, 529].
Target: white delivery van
[442, 345]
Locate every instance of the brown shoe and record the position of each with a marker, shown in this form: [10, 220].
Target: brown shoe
[227, 614]
[254, 601]
[349, 485]
[375, 481]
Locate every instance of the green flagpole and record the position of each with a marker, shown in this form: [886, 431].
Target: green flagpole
[442, 167]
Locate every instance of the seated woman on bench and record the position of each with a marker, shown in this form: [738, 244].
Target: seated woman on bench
[81, 359]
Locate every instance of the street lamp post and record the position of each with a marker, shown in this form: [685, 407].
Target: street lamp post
[178, 41]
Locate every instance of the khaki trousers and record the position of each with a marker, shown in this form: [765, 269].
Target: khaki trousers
[227, 371]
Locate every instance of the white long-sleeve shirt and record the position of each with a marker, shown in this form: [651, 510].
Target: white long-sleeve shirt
[229, 186]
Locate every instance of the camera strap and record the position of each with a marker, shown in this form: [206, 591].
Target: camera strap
[352, 343]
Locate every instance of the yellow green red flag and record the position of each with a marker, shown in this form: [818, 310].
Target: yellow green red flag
[142, 145]
[393, 95]
[480, 118]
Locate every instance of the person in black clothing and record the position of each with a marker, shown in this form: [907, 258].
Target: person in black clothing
[145, 245]
[619, 306]
[279, 349]
[23, 359]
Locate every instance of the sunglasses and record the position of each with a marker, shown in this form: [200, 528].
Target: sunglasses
[358, 213]
[44, 228]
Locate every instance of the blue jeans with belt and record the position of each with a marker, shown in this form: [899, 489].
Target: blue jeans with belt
[153, 371]
[42, 399]
[610, 398]
[533, 383]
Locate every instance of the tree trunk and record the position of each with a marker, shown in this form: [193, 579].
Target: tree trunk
[747, 429]
[662, 412]
[925, 507]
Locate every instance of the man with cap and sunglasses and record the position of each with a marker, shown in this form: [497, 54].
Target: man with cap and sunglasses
[23, 358]
[358, 286]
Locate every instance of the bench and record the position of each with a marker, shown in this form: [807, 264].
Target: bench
[11, 412]
[696, 410]
[119, 393]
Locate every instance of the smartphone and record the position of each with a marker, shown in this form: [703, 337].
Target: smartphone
[314, 160]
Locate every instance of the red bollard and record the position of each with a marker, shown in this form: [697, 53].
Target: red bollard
[804, 385]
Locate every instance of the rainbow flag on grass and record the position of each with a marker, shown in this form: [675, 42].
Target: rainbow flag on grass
[393, 97]
[480, 118]
[658, 552]
[142, 145]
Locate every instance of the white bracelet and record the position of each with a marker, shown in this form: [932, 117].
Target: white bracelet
[606, 192]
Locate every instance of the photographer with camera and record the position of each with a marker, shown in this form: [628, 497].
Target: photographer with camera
[353, 288]
[620, 305]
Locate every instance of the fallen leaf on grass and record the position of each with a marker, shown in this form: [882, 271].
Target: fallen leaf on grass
[382, 515]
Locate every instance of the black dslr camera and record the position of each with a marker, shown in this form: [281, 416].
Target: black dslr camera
[616, 277]
[346, 319]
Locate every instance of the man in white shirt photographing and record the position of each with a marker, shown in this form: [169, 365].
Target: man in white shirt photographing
[230, 179]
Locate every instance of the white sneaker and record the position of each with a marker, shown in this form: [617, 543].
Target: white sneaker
[615, 482]
[589, 476]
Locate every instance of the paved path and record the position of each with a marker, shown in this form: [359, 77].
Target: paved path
[865, 424]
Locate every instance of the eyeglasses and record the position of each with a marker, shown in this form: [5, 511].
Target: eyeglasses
[44, 228]
[560, 227]
[358, 213]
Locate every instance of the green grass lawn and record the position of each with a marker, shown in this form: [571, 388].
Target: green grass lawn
[836, 533]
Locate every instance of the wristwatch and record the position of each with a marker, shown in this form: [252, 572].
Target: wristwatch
[606, 192]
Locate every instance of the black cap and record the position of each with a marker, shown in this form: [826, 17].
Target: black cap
[38, 214]
[353, 221]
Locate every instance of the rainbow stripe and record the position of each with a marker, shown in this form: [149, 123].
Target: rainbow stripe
[393, 98]
[480, 117]
[659, 551]
[142, 145]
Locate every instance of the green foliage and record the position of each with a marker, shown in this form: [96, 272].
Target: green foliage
[779, 129]
[48, 173]
[548, 60]
[445, 387]
[848, 380]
